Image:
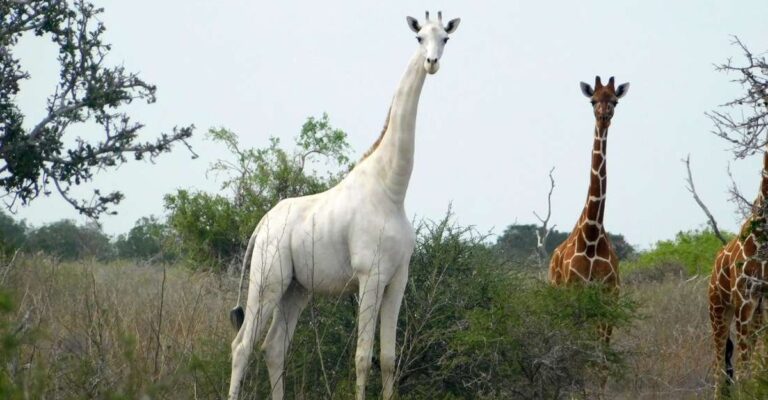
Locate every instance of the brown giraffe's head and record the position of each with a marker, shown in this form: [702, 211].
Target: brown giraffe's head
[604, 99]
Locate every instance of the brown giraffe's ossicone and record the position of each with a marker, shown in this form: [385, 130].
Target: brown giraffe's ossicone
[737, 290]
[587, 255]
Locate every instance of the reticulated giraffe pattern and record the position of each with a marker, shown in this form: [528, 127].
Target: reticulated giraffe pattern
[587, 254]
[738, 287]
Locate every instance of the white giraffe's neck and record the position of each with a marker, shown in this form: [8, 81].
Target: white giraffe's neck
[393, 158]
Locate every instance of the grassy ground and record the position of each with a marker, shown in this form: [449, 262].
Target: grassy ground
[670, 346]
[124, 331]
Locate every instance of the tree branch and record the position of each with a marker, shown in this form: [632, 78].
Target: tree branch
[692, 189]
[543, 231]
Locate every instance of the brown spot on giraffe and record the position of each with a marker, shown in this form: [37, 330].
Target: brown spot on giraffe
[587, 254]
[737, 290]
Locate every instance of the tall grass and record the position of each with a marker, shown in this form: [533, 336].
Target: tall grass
[85, 330]
[91, 330]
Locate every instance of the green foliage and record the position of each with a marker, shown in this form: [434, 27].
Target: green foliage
[213, 229]
[68, 241]
[88, 91]
[534, 341]
[149, 239]
[12, 235]
[694, 251]
[208, 227]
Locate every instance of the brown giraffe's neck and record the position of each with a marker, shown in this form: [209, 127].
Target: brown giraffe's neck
[598, 180]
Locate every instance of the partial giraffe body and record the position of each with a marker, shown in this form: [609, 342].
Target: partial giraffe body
[587, 254]
[737, 290]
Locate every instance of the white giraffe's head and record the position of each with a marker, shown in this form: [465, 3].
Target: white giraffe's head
[432, 37]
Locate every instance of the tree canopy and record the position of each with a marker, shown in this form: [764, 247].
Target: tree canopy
[35, 156]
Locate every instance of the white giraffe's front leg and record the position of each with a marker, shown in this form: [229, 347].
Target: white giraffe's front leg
[390, 308]
[371, 292]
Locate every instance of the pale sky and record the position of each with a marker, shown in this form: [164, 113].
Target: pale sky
[503, 109]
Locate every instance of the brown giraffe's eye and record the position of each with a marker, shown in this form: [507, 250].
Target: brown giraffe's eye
[593, 102]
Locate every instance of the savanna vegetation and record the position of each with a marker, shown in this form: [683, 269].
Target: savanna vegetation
[144, 315]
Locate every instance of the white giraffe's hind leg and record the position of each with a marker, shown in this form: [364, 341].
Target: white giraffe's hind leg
[280, 333]
[390, 308]
[269, 281]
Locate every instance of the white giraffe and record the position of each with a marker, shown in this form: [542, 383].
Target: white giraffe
[354, 236]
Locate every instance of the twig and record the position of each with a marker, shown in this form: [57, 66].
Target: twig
[543, 231]
[692, 189]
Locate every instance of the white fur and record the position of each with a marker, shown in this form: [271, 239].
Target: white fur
[355, 236]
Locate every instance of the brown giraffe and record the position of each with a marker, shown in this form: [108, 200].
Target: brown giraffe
[587, 255]
[737, 289]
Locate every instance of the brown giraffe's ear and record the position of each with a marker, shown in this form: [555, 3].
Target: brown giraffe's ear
[598, 84]
[586, 90]
[413, 24]
[622, 90]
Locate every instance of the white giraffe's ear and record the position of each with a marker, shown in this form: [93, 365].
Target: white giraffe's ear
[452, 25]
[586, 90]
[413, 23]
[622, 90]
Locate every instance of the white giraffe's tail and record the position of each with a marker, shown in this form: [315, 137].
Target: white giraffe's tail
[237, 315]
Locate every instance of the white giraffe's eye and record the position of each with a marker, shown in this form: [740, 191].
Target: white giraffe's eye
[445, 40]
[419, 39]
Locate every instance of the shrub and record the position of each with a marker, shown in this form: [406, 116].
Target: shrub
[535, 341]
[694, 250]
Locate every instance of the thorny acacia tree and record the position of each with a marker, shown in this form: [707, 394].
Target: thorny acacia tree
[34, 157]
[742, 122]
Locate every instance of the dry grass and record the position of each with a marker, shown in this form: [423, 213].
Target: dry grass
[119, 330]
[670, 346]
[96, 331]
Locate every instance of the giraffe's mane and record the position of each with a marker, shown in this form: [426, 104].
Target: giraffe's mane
[378, 140]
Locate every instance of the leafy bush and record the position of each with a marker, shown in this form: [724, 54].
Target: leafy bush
[694, 250]
[213, 229]
[536, 341]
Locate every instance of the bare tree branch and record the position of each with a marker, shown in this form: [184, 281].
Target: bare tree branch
[743, 206]
[692, 189]
[747, 131]
[542, 232]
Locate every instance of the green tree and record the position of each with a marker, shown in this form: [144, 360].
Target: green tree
[38, 160]
[12, 234]
[213, 228]
[149, 239]
[68, 241]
